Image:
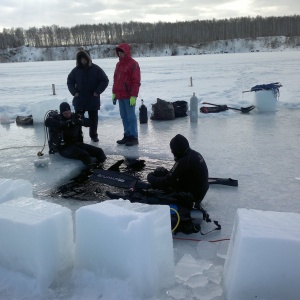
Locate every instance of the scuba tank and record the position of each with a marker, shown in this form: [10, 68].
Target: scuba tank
[143, 113]
[194, 109]
[54, 136]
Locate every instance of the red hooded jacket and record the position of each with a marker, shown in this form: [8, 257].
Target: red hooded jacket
[127, 76]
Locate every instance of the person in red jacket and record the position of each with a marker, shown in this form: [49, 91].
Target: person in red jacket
[127, 81]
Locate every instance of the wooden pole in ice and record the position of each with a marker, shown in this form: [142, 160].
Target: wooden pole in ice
[53, 89]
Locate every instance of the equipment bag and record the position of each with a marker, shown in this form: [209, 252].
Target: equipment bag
[162, 110]
[180, 108]
[215, 109]
[24, 120]
[181, 220]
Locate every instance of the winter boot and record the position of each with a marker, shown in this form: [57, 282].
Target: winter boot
[124, 140]
[132, 141]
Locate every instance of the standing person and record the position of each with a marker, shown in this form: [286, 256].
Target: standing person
[127, 81]
[86, 82]
[189, 173]
[66, 137]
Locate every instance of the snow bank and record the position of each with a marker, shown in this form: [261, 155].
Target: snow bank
[259, 44]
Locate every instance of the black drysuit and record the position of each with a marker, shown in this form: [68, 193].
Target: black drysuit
[67, 137]
[189, 173]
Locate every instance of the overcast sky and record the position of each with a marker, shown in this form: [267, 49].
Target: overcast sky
[29, 13]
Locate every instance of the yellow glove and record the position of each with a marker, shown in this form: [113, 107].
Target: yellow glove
[113, 98]
[132, 101]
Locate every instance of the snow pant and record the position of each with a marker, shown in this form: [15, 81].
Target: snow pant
[93, 117]
[83, 152]
[129, 119]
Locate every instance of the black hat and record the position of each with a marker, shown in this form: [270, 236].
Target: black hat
[179, 145]
[64, 106]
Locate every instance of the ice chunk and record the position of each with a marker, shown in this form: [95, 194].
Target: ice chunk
[263, 256]
[12, 189]
[36, 238]
[214, 274]
[197, 281]
[41, 162]
[209, 292]
[188, 266]
[178, 292]
[39, 109]
[129, 241]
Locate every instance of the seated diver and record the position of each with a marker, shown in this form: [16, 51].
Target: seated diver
[66, 137]
[189, 173]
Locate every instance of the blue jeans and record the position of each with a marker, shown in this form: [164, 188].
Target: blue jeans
[129, 119]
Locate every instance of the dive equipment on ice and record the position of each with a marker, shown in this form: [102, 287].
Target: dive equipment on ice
[143, 113]
[215, 109]
[194, 108]
[52, 136]
[242, 109]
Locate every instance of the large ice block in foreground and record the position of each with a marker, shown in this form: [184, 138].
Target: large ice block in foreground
[129, 241]
[263, 259]
[12, 189]
[36, 238]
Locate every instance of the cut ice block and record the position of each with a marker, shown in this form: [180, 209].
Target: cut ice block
[36, 238]
[12, 189]
[263, 259]
[129, 241]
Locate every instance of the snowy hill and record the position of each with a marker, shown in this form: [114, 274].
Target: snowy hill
[266, 44]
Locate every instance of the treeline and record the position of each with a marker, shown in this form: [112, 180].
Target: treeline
[189, 32]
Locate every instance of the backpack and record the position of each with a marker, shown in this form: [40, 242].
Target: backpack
[180, 108]
[162, 110]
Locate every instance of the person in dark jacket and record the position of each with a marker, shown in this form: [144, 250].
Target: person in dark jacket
[127, 81]
[189, 173]
[86, 82]
[66, 137]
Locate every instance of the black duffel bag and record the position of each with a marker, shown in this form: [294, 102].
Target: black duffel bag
[180, 108]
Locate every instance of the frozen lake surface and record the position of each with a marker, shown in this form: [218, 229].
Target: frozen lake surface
[261, 150]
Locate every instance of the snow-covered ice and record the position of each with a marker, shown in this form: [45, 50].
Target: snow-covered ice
[261, 150]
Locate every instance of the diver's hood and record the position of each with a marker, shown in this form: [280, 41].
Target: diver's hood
[179, 145]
